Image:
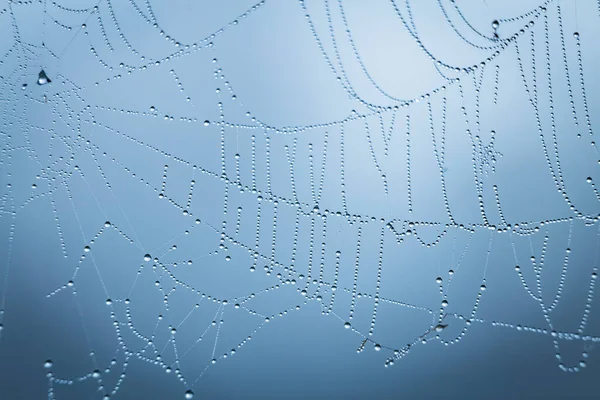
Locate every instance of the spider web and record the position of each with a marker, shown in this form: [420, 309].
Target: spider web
[423, 165]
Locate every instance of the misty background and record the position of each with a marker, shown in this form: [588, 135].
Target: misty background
[171, 129]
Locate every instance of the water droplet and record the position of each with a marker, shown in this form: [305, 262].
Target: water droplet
[43, 78]
[48, 364]
[444, 303]
[438, 279]
[107, 224]
[86, 249]
[377, 347]
[189, 394]
[589, 179]
[495, 24]
[206, 123]
[483, 287]
[147, 257]
[108, 302]
[347, 325]
[575, 35]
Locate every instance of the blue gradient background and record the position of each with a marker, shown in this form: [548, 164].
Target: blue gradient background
[273, 63]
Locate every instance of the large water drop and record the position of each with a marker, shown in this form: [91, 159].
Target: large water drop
[43, 78]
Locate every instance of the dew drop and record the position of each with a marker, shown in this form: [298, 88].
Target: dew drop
[48, 364]
[206, 123]
[147, 257]
[495, 24]
[43, 78]
[347, 325]
[189, 394]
